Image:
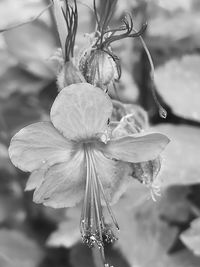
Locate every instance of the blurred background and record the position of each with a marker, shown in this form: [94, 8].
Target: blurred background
[165, 233]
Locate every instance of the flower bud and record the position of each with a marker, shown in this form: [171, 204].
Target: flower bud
[69, 75]
[99, 68]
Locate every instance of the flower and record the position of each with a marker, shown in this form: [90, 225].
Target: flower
[75, 159]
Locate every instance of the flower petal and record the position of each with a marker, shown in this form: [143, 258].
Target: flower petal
[113, 175]
[81, 111]
[136, 148]
[37, 146]
[63, 184]
[35, 179]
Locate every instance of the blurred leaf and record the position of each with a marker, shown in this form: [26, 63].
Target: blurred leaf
[179, 26]
[32, 45]
[81, 256]
[178, 83]
[18, 250]
[17, 80]
[191, 237]
[181, 158]
[5, 163]
[14, 12]
[174, 5]
[174, 205]
[68, 232]
[11, 210]
[145, 239]
[127, 90]
[19, 111]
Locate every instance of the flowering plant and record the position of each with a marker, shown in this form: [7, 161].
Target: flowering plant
[74, 158]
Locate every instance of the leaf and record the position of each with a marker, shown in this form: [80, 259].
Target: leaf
[18, 250]
[32, 45]
[68, 233]
[17, 80]
[18, 111]
[178, 83]
[174, 5]
[191, 237]
[5, 163]
[15, 12]
[174, 205]
[174, 27]
[145, 238]
[181, 158]
[127, 90]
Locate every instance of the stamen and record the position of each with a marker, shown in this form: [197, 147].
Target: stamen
[94, 231]
[108, 206]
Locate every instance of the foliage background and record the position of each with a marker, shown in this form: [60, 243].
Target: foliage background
[165, 233]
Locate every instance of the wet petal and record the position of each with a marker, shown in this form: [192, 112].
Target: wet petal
[114, 176]
[81, 111]
[38, 145]
[63, 184]
[136, 148]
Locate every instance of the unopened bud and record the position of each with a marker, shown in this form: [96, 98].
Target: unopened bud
[69, 75]
[99, 68]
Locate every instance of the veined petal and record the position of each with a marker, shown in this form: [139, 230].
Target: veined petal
[81, 111]
[113, 175]
[63, 184]
[35, 179]
[136, 148]
[39, 145]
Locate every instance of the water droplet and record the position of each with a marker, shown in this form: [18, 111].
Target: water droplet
[162, 113]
